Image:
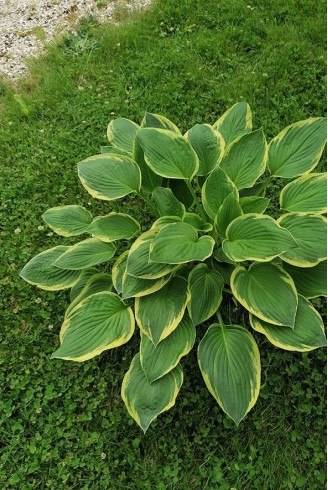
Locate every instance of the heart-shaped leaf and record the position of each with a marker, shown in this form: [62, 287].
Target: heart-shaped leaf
[178, 243]
[68, 220]
[229, 361]
[100, 322]
[307, 334]
[145, 401]
[109, 177]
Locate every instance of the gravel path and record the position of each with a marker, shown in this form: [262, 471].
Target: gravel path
[25, 25]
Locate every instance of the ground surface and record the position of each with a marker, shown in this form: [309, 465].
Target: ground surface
[64, 425]
[27, 25]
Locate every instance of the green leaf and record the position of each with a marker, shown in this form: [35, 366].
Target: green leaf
[150, 180]
[298, 148]
[157, 121]
[138, 263]
[114, 226]
[256, 237]
[307, 194]
[95, 284]
[267, 291]
[307, 334]
[309, 282]
[229, 361]
[165, 220]
[100, 322]
[145, 401]
[228, 211]
[310, 232]
[168, 154]
[197, 222]
[121, 133]
[134, 287]
[253, 204]
[220, 256]
[178, 243]
[85, 254]
[118, 270]
[257, 190]
[109, 177]
[68, 220]
[83, 279]
[209, 146]
[181, 192]
[166, 202]
[111, 150]
[235, 122]
[225, 270]
[205, 286]
[160, 360]
[216, 188]
[41, 272]
[244, 160]
[160, 313]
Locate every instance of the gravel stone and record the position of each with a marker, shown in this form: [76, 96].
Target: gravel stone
[27, 25]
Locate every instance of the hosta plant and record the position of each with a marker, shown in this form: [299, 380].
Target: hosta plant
[210, 250]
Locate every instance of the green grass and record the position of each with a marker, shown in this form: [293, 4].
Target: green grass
[63, 425]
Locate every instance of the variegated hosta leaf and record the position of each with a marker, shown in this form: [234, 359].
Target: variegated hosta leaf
[100, 322]
[138, 263]
[197, 222]
[150, 180]
[267, 291]
[256, 237]
[165, 220]
[168, 154]
[68, 220]
[121, 133]
[118, 271]
[254, 204]
[229, 361]
[298, 148]
[130, 286]
[307, 194]
[245, 159]
[307, 334]
[112, 150]
[235, 122]
[134, 287]
[220, 256]
[216, 188]
[309, 232]
[205, 286]
[160, 313]
[228, 211]
[157, 121]
[85, 254]
[83, 279]
[41, 272]
[178, 243]
[166, 202]
[95, 284]
[309, 282]
[114, 226]
[145, 401]
[209, 146]
[109, 177]
[158, 361]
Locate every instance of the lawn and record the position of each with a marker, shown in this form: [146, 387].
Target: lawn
[63, 425]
